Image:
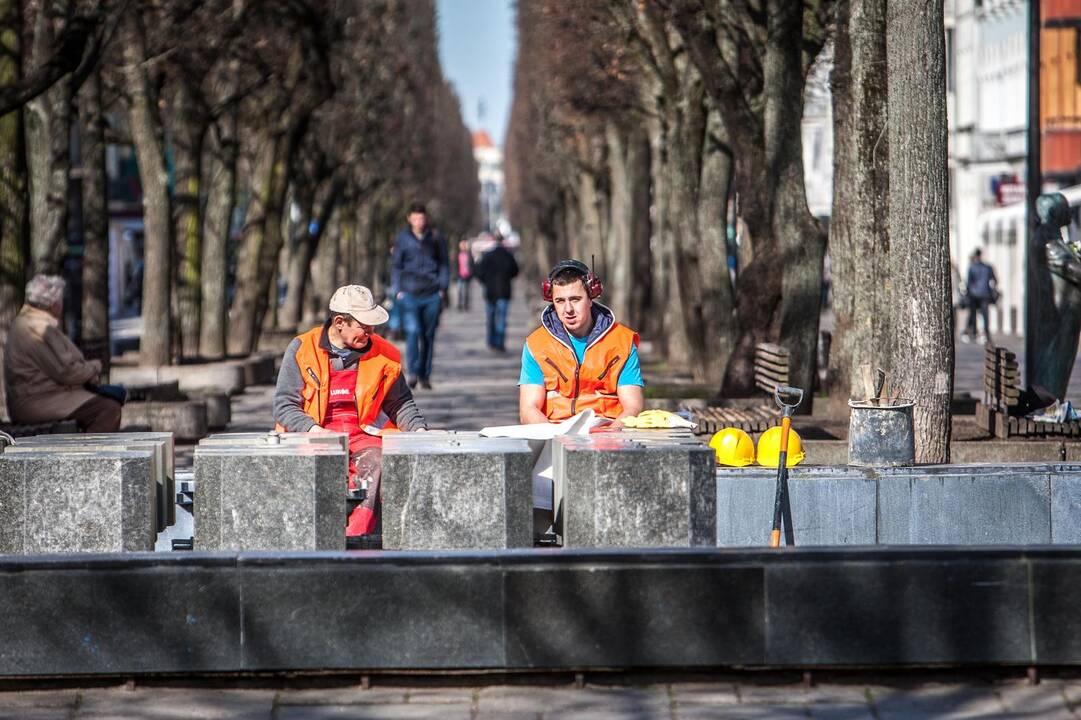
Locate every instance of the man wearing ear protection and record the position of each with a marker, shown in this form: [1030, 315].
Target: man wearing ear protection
[579, 357]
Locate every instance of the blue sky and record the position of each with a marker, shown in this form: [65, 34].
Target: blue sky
[476, 48]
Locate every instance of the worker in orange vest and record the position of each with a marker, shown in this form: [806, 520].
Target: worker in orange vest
[579, 357]
[342, 377]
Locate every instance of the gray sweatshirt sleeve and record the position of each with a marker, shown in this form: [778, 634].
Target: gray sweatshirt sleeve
[287, 407]
[400, 407]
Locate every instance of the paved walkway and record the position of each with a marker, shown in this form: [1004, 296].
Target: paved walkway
[1014, 699]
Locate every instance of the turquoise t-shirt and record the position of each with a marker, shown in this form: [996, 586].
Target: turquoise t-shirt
[631, 374]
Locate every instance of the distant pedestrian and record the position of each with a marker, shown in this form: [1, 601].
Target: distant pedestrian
[981, 291]
[465, 274]
[419, 277]
[495, 271]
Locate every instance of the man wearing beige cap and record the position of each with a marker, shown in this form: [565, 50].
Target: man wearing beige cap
[342, 377]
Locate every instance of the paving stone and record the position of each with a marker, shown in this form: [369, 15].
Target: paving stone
[177, 704]
[799, 694]
[559, 702]
[440, 696]
[616, 492]
[92, 501]
[704, 694]
[270, 498]
[374, 712]
[456, 492]
[341, 696]
[748, 712]
[840, 712]
[938, 701]
[42, 699]
[36, 713]
[1044, 700]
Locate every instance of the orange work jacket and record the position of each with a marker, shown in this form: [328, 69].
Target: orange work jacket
[377, 371]
[571, 388]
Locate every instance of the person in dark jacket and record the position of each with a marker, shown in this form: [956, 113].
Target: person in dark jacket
[981, 292]
[495, 271]
[419, 276]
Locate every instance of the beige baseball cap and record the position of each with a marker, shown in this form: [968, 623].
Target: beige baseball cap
[357, 300]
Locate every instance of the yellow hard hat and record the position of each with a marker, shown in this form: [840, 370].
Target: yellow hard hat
[732, 447]
[769, 448]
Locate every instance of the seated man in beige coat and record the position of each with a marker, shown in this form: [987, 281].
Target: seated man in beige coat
[45, 372]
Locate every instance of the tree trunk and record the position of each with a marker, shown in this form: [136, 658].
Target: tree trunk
[95, 214]
[154, 348]
[188, 133]
[49, 118]
[918, 212]
[859, 238]
[300, 264]
[658, 326]
[262, 242]
[14, 235]
[221, 201]
[640, 300]
[618, 251]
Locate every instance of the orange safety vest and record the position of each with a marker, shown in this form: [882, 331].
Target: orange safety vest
[377, 371]
[572, 387]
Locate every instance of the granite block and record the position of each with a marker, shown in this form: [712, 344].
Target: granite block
[186, 419]
[645, 615]
[163, 467]
[874, 610]
[1066, 505]
[456, 492]
[340, 440]
[91, 501]
[617, 492]
[1057, 623]
[830, 506]
[149, 614]
[219, 410]
[379, 613]
[224, 376]
[965, 505]
[270, 498]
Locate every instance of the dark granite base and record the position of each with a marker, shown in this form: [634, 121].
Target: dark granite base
[693, 609]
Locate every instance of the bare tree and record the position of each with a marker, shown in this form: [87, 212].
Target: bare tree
[918, 213]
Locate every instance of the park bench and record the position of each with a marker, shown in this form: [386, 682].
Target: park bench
[1002, 394]
[770, 370]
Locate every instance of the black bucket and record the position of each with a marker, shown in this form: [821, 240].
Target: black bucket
[881, 434]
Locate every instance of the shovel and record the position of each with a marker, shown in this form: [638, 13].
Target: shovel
[789, 399]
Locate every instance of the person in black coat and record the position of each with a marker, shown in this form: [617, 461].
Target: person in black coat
[495, 271]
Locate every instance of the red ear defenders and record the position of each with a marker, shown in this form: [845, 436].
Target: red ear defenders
[593, 284]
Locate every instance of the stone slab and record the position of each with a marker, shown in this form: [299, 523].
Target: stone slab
[92, 501]
[270, 498]
[224, 376]
[1008, 451]
[965, 505]
[618, 492]
[186, 419]
[272, 438]
[644, 615]
[443, 491]
[830, 505]
[1066, 504]
[426, 615]
[219, 408]
[162, 444]
[106, 615]
[1057, 624]
[258, 369]
[908, 612]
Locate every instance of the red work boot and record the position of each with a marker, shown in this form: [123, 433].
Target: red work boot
[361, 522]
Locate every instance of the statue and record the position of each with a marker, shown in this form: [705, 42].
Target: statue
[1055, 289]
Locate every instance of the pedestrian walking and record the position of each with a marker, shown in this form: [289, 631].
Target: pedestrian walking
[981, 291]
[420, 275]
[465, 274]
[496, 270]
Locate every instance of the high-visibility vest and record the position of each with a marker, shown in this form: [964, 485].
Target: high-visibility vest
[572, 388]
[377, 371]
